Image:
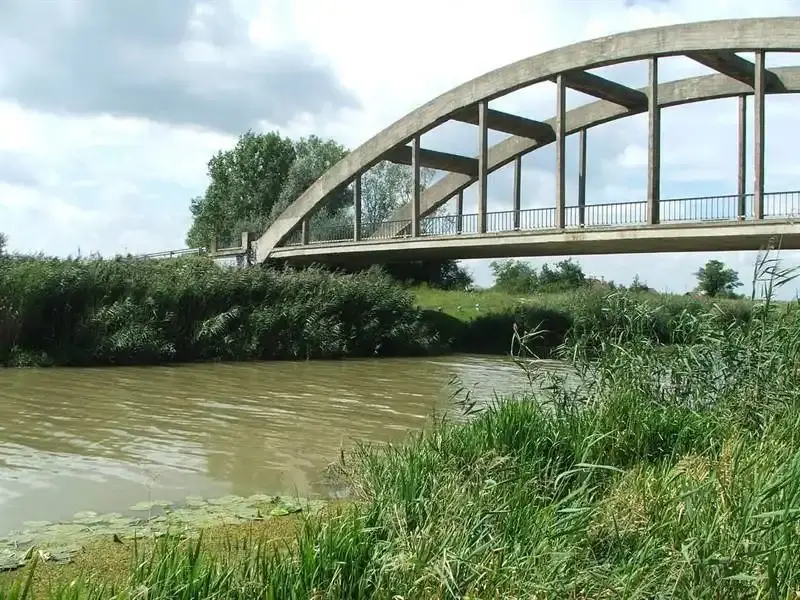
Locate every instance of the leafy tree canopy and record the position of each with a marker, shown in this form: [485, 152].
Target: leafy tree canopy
[518, 277]
[715, 279]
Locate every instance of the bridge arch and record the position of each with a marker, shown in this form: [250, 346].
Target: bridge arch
[712, 43]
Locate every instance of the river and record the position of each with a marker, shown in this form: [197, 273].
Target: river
[103, 439]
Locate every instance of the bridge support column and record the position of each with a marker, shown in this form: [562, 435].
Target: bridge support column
[653, 146]
[582, 178]
[741, 211]
[247, 256]
[758, 135]
[561, 171]
[415, 187]
[304, 232]
[460, 212]
[517, 190]
[483, 164]
[357, 208]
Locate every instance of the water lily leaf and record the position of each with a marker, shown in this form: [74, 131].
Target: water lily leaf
[231, 499]
[149, 505]
[279, 511]
[84, 514]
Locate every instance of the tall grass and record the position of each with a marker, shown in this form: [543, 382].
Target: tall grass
[662, 472]
[134, 311]
[482, 321]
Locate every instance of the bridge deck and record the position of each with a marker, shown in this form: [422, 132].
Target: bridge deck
[687, 225]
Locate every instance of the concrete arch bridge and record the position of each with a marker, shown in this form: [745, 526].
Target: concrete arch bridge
[739, 221]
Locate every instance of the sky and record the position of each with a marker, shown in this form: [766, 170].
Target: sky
[110, 111]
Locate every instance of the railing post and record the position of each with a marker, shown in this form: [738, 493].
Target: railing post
[561, 130]
[212, 245]
[483, 163]
[582, 178]
[460, 212]
[741, 213]
[415, 187]
[357, 208]
[517, 190]
[304, 232]
[653, 146]
[758, 135]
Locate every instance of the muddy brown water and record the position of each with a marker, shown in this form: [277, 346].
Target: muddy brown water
[106, 438]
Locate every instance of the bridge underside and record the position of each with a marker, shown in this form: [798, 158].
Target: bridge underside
[677, 237]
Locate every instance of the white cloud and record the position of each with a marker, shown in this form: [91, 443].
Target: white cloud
[110, 184]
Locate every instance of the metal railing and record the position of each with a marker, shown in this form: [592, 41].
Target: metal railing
[673, 210]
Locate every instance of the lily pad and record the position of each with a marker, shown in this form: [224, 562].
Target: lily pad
[148, 506]
[10, 560]
[84, 515]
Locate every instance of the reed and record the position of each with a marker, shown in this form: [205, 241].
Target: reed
[128, 311]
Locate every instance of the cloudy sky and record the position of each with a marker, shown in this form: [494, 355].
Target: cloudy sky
[110, 110]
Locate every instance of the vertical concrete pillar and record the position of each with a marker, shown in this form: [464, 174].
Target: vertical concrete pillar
[460, 212]
[415, 187]
[741, 212]
[304, 231]
[517, 190]
[561, 170]
[582, 178]
[212, 245]
[247, 239]
[653, 146]
[357, 208]
[483, 164]
[758, 138]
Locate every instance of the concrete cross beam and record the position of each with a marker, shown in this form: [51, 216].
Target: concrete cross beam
[433, 159]
[736, 67]
[508, 123]
[605, 89]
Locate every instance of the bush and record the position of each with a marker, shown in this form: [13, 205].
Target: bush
[137, 311]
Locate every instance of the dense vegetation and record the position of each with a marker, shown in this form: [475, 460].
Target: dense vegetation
[650, 473]
[75, 312]
[127, 311]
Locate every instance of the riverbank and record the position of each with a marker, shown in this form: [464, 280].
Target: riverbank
[128, 311]
[650, 479]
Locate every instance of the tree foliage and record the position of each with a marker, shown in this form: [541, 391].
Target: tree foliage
[715, 279]
[256, 180]
[518, 277]
[3, 243]
[245, 183]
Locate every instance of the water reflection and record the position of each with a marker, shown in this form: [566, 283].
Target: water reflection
[103, 439]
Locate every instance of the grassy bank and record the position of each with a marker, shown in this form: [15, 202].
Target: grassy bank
[72, 312]
[662, 474]
[482, 321]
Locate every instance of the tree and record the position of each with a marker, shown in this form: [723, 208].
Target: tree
[566, 275]
[715, 279]
[519, 277]
[246, 181]
[514, 276]
[3, 243]
[637, 285]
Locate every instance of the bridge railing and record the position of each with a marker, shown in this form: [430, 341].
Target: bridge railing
[782, 205]
[677, 210]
